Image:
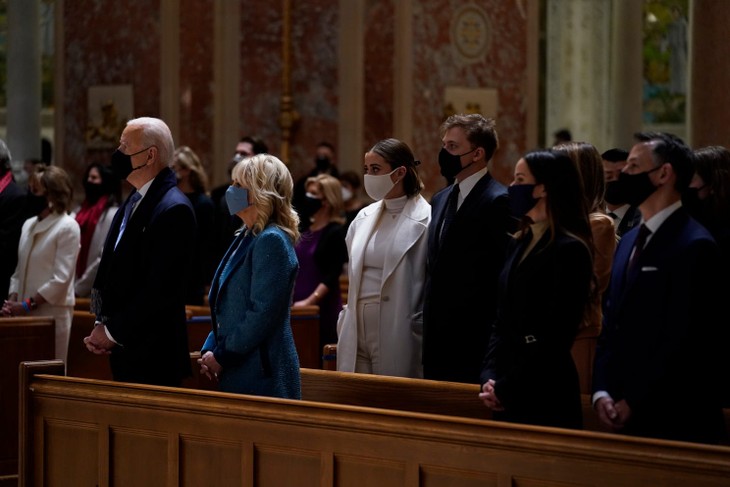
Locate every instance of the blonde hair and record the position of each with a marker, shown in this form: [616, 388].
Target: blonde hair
[270, 189]
[331, 190]
[188, 159]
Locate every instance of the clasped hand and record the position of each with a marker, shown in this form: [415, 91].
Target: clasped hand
[489, 397]
[209, 366]
[98, 343]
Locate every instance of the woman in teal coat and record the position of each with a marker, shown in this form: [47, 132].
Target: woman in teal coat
[251, 348]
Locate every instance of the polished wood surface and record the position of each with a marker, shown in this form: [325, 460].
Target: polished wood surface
[106, 433]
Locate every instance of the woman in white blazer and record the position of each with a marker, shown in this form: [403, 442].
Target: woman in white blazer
[381, 328]
[49, 245]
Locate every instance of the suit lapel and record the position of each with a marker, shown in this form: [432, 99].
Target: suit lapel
[361, 238]
[407, 234]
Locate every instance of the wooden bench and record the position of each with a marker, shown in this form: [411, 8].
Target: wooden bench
[106, 433]
[21, 338]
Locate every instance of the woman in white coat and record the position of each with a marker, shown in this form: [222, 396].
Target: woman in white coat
[43, 282]
[381, 328]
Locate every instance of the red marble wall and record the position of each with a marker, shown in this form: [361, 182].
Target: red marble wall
[125, 48]
[504, 67]
[104, 45]
[196, 78]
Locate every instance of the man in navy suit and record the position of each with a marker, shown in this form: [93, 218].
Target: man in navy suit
[467, 241]
[657, 369]
[139, 292]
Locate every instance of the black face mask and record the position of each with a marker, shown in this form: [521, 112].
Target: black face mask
[93, 191]
[615, 192]
[309, 207]
[520, 199]
[450, 164]
[323, 163]
[35, 203]
[638, 187]
[122, 163]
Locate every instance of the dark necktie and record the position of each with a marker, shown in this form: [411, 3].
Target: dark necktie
[127, 214]
[451, 205]
[644, 233]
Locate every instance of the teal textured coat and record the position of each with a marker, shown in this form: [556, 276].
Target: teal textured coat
[250, 301]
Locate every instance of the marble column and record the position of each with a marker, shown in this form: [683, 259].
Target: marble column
[624, 103]
[24, 80]
[709, 104]
[577, 62]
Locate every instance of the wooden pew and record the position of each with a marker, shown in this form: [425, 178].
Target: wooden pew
[82, 304]
[304, 325]
[305, 328]
[106, 433]
[21, 338]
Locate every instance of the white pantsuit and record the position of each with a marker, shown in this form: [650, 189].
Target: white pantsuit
[400, 324]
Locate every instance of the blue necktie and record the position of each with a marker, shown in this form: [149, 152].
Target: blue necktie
[127, 214]
[450, 212]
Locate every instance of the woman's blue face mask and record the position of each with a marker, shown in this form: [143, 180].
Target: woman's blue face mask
[237, 199]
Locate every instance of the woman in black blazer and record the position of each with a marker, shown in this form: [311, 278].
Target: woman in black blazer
[545, 286]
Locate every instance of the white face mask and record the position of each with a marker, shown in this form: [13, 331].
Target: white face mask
[378, 186]
[346, 194]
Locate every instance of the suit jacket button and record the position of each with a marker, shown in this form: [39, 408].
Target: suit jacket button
[386, 298]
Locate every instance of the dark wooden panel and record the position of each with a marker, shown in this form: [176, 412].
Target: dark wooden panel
[21, 338]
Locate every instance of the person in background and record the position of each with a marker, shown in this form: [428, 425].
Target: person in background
[192, 180]
[590, 168]
[660, 329]
[250, 349]
[95, 215]
[43, 281]
[138, 296]
[381, 328]
[322, 253]
[467, 242]
[12, 216]
[545, 289]
[707, 199]
[625, 217]
[561, 136]
[324, 163]
[708, 196]
[351, 184]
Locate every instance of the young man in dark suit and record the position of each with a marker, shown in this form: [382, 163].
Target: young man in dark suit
[657, 369]
[139, 292]
[467, 241]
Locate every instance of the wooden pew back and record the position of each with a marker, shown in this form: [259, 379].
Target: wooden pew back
[21, 338]
[99, 432]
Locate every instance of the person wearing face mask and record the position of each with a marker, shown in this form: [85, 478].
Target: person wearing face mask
[467, 241]
[708, 196]
[43, 281]
[94, 216]
[661, 333]
[192, 180]
[625, 217]
[138, 295]
[545, 290]
[324, 163]
[12, 215]
[351, 183]
[250, 349]
[322, 254]
[380, 328]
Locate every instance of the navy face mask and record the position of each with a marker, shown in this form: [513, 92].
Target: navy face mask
[637, 187]
[237, 199]
[520, 199]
